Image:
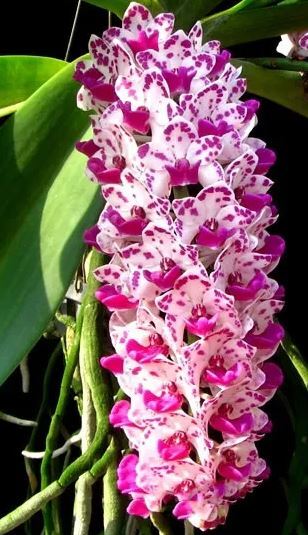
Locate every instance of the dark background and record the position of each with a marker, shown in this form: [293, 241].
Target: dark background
[43, 29]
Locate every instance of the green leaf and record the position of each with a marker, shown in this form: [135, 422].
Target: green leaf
[46, 203]
[232, 28]
[297, 360]
[209, 5]
[20, 76]
[283, 87]
[297, 398]
[119, 6]
[186, 11]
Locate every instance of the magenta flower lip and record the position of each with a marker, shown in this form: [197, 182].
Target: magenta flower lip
[164, 403]
[113, 300]
[142, 353]
[131, 227]
[220, 376]
[234, 473]
[214, 239]
[103, 175]
[174, 448]
[137, 120]
[246, 293]
[201, 326]
[269, 338]
[234, 427]
[113, 363]
[164, 281]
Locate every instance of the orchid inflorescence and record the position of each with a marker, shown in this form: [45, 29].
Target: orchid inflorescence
[185, 221]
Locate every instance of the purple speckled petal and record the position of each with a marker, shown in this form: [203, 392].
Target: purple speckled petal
[136, 18]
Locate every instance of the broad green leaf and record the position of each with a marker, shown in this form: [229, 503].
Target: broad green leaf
[208, 6]
[20, 76]
[186, 11]
[284, 87]
[297, 398]
[243, 26]
[46, 203]
[119, 6]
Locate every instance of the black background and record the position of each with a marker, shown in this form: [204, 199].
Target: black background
[41, 28]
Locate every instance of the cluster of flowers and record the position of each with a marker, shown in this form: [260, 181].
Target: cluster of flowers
[185, 220]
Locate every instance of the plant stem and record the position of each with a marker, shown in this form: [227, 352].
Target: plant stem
[120, 395]
[161, 523]
[28, 508]
[285, 64]
[54, 429]
[13, 519]
[189, 528]
[98, 380]
[113, 501]
[83, 497]
[102, 400]
[132, 525]
[100, 387]
[31, 472]
[66, 319]
[87, 323]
